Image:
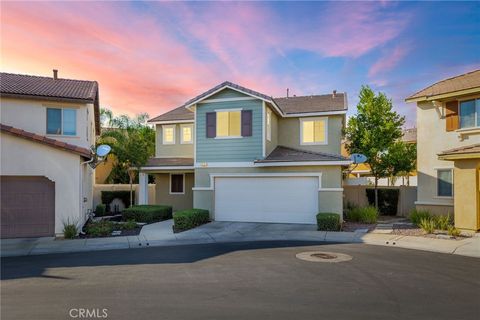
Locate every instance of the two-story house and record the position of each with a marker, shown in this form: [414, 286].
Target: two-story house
[48, 126]
[246, 156]
[448, 148]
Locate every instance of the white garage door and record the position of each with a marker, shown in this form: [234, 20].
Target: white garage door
[266, 199]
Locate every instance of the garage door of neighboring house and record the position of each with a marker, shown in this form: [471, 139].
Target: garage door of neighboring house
[266, 199]
[27, 207]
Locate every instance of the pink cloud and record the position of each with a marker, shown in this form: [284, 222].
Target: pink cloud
[389, 60]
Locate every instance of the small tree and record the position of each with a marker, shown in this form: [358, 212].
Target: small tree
[373, 131]
[401, 159]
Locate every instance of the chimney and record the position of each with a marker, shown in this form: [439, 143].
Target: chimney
[55, 74]
[334, 94]
[287, 92]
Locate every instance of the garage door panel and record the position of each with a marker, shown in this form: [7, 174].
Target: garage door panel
[266, 199]
[28, 207]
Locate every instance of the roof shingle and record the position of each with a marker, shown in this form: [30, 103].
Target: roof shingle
[169, 162]
[285, 154]
[474, 148]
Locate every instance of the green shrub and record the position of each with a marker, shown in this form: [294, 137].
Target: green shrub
[387, 200]
[454, 232]
[427, 224]
[69, 230]
[443, 222]
[367, 214]
[99, 228]
[109, 196]
[328, 221]
[417, 215]
[147, 213]
[100, 210]
[188, 219]
[129, 225]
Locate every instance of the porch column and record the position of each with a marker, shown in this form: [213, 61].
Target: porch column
[143, 188]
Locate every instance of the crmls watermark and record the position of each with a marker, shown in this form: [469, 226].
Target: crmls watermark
[88, 313]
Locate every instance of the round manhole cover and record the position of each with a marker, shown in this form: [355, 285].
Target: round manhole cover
[322, 256]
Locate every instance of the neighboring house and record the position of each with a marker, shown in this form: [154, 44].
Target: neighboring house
[47, 128]
[361, 174]
[246, 156]
[448, 137]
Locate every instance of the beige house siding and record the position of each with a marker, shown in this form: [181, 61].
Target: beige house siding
[73, 181]
[31, 115]
[172, 150]
[467, 194]
[289, 134]
[432, 139]
[272, 144]
[178, 201]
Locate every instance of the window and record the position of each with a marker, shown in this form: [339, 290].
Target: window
[444, 183]
[229, 123]
[62, 121]
[470, 113]
[168, 133]
[186, 134]
[177, 182]
[313, 131]
[269, 125]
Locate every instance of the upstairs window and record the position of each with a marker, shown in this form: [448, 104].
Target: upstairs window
[168, 134]
[313, 131]
[229, 124]
[187, 134]
[470, 113]
[62, 121]
[444, 183]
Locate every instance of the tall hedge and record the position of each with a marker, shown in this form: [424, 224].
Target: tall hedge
[109, 196]
[387, 200]
[147, 213]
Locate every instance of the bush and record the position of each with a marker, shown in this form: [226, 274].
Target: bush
[443, 222]
[188, 219]
[129, 225]
[69, 230]
[147, 213]
[99, 228]
[366, 214]
[417, 215]
[454, 232]
[109, 196]
[328, 221]
[427, 224]
[100, 210]
[387, 200]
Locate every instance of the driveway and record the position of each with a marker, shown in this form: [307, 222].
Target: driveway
[261, 280]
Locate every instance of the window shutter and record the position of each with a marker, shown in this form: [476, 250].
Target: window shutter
[246, 123]
[211, 124]
[451, 116]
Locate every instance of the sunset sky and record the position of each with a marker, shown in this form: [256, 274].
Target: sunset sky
[154, 56]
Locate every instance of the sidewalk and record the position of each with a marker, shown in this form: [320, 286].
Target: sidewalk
[160, 234]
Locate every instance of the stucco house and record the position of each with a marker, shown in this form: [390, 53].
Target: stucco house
[448, 156]
[48, 126]
[246, 156]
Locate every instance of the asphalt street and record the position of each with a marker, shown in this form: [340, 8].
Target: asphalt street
[260, 280]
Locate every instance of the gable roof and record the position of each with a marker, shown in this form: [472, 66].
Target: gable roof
[466, 81]
[470, 150]
[285, 154]
[46, 88]
[44, 140]
[285, 105]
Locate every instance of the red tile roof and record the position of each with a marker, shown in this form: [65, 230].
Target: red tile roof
[46, 88]
[474, 148]
[44, 140]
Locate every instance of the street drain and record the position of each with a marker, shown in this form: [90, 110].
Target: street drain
[322, 256]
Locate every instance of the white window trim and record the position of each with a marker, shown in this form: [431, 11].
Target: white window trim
[181, 133]
[466, 129]
[269, 124]
[163, 134]
[216, 123]
[61, 123]
[170, 183]
[302, 120]
[436, 196]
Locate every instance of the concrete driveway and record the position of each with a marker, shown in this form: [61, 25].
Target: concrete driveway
[247, 280]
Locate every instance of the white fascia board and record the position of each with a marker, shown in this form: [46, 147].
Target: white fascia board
[172, 121]
[247, 164]
[227, 99]
[313, 114]
[303, 163]
[167, 168]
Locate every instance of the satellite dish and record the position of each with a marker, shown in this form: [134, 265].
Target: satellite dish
[103, 150]
[358, 158]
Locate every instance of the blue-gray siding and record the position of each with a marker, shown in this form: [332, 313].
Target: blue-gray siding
[229, 150]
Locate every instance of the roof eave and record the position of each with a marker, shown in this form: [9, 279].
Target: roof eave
[443, 95]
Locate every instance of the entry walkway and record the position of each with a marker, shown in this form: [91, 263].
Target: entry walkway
[161, 234]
